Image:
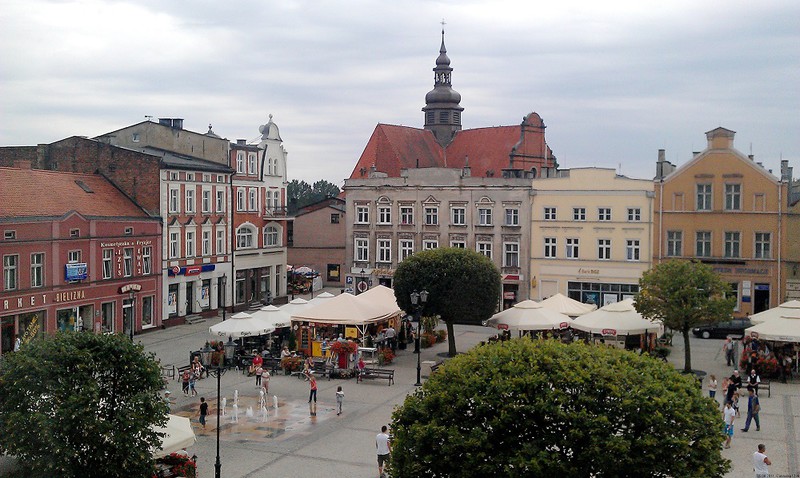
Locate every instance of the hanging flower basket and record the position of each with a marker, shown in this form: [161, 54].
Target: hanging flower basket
[340, 348]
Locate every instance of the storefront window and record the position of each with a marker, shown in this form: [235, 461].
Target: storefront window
[147, 311]
[107, 321]
[205, 294]
[600, 294]
[65, 319]
[172, 300]
[239, 292]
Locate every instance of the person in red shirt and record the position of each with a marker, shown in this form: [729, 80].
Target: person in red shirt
[257, 362]
[312, 396]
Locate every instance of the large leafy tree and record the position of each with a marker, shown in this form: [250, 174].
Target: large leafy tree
[684, 294]
[463, 286]
[78, 403]
[301, 194]
[532, 408]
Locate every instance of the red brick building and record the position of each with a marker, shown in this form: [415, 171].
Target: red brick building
[319, 234]
[77, 254]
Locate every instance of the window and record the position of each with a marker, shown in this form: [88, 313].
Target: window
[220, 241]
[147, 260]
[549, 214]
[432, 216]
[128, 231]
[190, 176]
[604, 249]
[579, 214]
[9, 235]
[429, 244]
[384, 215]
[271, 236]
[244, 238]
[362, 214]
[127, 262]
[37, 269]
[107, 314]
[511, 254]
[762, 245]
[174, 176]
[108, 263]
[458, 216]
[206, 178]
[206, 201]
[252, 204]
[604, 214]
[361, 250]
[335, 218]
[174, 245]
[484, 216]
[634, 214]
[732, 243]
[206, 243]
[240, 162]
[572, 248]
[484, 248]
[10, 278]
[251, 163]
[550, 247]
[240, 199]
[458, 244]
[189, 200]
[406, 215]
[703, 197]
[703, 244]
[406, 248]
[733, 197]
[220, 178]
[147, 311]
[674, 243]
[384, 250]
[174, 204]
[735, 294]
[73, 257]
[135, 137]
[512, 217]
[190, 251]
[74, 233]
[220, 200]
[632, 249]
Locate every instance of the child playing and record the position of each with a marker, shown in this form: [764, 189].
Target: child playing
[339, 399]
[736, 403]
[265, 381]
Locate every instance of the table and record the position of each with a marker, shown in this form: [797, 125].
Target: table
[368, 350]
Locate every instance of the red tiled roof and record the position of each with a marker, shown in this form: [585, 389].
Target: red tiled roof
[392, 148]
[36, 192]
[487, 149]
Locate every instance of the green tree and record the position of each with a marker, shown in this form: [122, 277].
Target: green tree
[300, 194]
[78, 403]
[463, 286]
[323, 189]
[684, 294]
[532, 408]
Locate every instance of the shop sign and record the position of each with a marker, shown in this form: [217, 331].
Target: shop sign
[77, 271]
[594, 272]
[130, 288]
[193, 270]
[509, 295]
[69, 296]
[502, 326]
[608, 332]
[563, 325]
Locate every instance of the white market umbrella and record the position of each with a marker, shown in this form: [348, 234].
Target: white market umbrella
[303, 270]
[781, 329]
[529, 315]
[563, 304]
[619, 318]
[241, 325]
[179, 435]
[296, 305]
[273, 316]
[381, 297]
[787, 309]
[321, 298]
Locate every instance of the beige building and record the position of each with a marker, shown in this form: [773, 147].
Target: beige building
[791, 266]
[389, 218]
[591, 235]
[726, 210]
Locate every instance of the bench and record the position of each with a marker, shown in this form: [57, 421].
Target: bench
[322, 369]
[182, 369]
[376, 373]
[436, 366]
[765, 385]
[167, 371]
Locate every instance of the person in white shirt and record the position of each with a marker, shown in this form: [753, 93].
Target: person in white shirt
[729, 415]
[761, 462]
[384, 449]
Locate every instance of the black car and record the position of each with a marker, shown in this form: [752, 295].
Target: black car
[722, 329]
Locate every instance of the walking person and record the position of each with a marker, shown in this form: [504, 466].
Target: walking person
[727, 349]
[339, 399]
[259, 373]
[265, 381]
[728, 415]
[753, 407]
[203, 411]
[384, 449]
[712, 386]
[761, 462]
[192, 383]
[312, 395]
[185, 382]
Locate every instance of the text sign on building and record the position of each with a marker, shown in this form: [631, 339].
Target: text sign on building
[77, 271]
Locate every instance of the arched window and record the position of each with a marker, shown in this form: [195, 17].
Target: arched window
[271, 236]
[244, 238]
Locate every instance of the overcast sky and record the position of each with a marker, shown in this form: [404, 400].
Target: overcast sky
[614, 81]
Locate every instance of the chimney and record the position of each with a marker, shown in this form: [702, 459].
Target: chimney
[466, 171]
[663, 167]
[786, 171]
[750, 157]
[241, 141]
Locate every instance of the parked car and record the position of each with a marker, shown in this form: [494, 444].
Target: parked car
[722, 329]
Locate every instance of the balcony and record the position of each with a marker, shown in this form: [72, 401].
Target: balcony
[273, 212]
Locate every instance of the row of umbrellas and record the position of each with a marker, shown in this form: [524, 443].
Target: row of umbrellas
[781, 323]
[264, 320]
[618, 318]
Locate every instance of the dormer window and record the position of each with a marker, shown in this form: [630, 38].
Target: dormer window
[74, 233]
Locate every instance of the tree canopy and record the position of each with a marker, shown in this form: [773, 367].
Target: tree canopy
[463, 286]
[74, 403]
[541, 408]
[684, 294]
[301, 194]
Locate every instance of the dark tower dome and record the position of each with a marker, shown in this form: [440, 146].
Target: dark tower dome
[442, 108]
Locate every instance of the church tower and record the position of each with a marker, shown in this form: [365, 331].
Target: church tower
[442, 109]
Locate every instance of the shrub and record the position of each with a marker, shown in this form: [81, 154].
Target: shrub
[385, 356]
[441, 335]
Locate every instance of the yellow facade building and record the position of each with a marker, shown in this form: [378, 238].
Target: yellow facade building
[726, 210]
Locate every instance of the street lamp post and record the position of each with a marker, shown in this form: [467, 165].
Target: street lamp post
[418, 300]
[132, 296]
[224, 294]
[217, 371]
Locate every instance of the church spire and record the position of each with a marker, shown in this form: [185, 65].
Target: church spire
[442, 109]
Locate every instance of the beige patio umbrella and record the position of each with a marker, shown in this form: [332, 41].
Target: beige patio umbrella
[178, 435]
[787, 309]
[781, 329]
[619, 318]
[241, 325]
[563, 304]
[274, 316]
[529, 315]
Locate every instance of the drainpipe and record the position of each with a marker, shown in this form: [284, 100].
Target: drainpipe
[780, 236]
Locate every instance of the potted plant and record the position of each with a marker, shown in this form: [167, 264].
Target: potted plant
[385, 356]
[291, 364]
